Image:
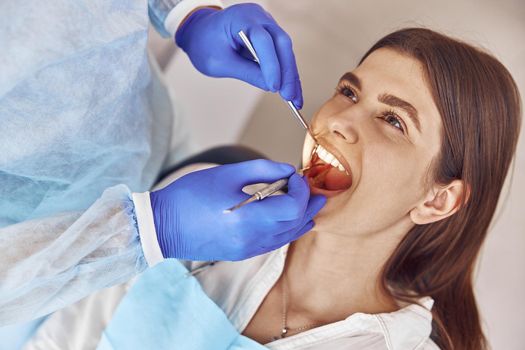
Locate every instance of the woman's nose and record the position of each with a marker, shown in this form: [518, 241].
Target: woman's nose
[345, 128]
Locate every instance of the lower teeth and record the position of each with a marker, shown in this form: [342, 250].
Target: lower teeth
[318, 170]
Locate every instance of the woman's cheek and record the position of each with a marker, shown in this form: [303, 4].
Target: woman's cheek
[382, 171]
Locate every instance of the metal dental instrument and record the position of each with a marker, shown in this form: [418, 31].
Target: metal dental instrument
[290, 104]
[261, 194]
[264, 192]
[279, 184]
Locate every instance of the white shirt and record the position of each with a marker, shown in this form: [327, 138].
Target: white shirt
[239, 288]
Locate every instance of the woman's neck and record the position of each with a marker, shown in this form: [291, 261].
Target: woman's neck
[331, 276]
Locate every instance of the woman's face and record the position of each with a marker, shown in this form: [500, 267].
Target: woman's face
[383, 127]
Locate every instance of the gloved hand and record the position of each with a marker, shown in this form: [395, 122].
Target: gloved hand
[210, 38]
[191, 224]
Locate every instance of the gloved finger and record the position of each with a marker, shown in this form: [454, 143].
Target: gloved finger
[298, 99]
[315, 204]
[244, 69]
[299, 190]
[281, 208]
[263, 44]
[290, 83]
[288, 237]
[255, 171]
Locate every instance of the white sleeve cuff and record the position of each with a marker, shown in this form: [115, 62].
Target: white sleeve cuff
[183, 8]
[147, 232]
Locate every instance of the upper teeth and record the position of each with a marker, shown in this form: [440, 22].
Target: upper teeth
[329, 158]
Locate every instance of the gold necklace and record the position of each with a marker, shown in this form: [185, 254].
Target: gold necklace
[285, 329]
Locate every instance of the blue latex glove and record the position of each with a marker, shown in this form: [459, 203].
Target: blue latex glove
[210, 38]
[191, 224]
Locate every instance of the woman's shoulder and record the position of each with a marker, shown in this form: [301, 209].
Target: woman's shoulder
[409, 327]
[429, 345]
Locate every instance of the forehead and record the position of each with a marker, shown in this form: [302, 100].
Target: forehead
[389, 71]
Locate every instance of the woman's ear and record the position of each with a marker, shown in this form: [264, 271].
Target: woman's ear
[440, 203]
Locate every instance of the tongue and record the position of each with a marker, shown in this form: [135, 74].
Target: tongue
[336, 180]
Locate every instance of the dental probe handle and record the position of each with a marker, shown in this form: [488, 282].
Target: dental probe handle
[271, 189]
[261, 194]
[294, 109]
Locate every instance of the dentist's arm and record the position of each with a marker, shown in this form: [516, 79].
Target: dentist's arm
[52, 262]
[167, 15]
[189, 220]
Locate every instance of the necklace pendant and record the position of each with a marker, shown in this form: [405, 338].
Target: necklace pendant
[284, 331]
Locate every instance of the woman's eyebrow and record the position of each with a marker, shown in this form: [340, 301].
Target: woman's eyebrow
[352, 78]
[394, 101]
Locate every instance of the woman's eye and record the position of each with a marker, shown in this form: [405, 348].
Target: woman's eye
[392, 119]
[348, 92]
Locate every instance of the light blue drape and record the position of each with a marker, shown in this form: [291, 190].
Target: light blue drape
[167, 309]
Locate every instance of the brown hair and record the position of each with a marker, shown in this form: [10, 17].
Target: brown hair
[480, 108]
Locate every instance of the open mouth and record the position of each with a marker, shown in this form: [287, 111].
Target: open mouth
[326, 174]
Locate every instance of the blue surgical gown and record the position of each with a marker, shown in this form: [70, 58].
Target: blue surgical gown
[84, 122]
